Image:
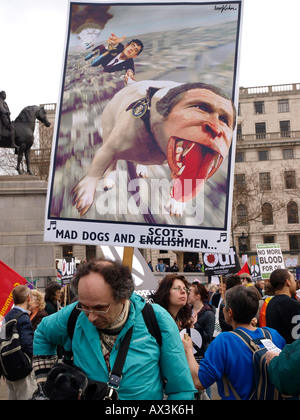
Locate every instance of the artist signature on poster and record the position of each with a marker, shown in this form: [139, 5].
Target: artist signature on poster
[225, 8]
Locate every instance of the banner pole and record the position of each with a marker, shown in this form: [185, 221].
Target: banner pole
[222, 289]
[128, 256]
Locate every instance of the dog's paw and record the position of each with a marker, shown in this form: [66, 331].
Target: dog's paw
[175, 208]
[142, 171]
[83, 194]
[110, 181]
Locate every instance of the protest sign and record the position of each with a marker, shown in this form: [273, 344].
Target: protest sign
[66, 270]
[125, 169]
[221, 264]
[144, 280]
[195, 336]
[269, 258]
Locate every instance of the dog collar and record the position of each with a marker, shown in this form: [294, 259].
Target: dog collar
[141, 108]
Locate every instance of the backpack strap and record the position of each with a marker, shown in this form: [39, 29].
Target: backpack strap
[267, 333]
[246, 339]
[68, 354]
[227, 384]
[72, 322]
[151, 322]
[253, 347]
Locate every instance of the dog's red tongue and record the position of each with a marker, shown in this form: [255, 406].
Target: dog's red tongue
[196, 166]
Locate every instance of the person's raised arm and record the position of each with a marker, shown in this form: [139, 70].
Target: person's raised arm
[114, 40]
[194, 367]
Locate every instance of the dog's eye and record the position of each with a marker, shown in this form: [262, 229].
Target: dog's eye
[224, 119]
[202, 107]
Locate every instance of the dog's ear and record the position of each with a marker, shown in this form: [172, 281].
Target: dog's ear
[151, 91]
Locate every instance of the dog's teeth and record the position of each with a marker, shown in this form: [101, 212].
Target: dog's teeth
[216, 160]
[180, 171]
[188, 149]
[179, 164]
[178, 157]
[180, 143]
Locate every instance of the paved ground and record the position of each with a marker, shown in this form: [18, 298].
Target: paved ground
[3, 391]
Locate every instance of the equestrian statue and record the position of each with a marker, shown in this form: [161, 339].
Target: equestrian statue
[18, 134]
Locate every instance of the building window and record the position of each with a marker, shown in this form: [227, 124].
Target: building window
[240, 182]
[269, 239]
[288, 154]
[290, 180]
[283, 105]
[242, 214]
[263, 155]
[265, 181]
[259, 107]
[294, 241]
[292, 212]
[90, 251]
[285, 128]
[239, 132]
[67, 251]
[267, 214]
[240, 157]
[260, 130]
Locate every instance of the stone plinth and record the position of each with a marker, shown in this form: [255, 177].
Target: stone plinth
[22, 212]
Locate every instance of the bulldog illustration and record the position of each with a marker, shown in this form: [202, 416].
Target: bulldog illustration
[189, 126]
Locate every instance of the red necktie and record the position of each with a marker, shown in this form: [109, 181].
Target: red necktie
[112, 64]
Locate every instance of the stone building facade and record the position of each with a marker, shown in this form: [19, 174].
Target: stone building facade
[267, 179]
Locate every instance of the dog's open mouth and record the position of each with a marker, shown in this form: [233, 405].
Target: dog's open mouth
[191, 165]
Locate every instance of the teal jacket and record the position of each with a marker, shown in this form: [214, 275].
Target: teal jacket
[284, 370]
[147, 365]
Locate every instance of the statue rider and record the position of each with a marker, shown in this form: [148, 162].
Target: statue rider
[5, 119]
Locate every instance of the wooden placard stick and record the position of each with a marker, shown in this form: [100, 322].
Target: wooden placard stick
[222, 289]
[128, 256]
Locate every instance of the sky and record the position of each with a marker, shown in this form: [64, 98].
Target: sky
[33, 35]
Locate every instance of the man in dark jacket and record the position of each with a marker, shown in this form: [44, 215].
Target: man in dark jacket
[283, 311]
[117, 57]
[22, 389]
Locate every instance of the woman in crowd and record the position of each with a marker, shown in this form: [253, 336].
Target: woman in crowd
[203, 316]
[37, 308]
[52, 297]
[172, 294]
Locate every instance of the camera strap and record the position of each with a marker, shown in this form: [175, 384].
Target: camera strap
[116, 373]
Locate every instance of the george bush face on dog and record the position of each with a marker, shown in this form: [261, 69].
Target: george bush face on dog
[196, 135]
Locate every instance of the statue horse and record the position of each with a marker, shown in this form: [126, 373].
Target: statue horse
[24, 128]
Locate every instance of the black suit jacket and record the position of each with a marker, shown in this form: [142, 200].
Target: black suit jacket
[124, 65]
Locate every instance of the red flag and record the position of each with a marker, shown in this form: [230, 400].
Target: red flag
[244, 269]
[8, 280]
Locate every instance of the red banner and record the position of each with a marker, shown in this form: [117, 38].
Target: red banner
[8, 280]
[244, 269]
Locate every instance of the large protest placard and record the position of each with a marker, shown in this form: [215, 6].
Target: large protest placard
[221, 264]
[144, 143]
[270, 258]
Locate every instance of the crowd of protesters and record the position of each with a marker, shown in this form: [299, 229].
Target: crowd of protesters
[176, 368]
[162, 267]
